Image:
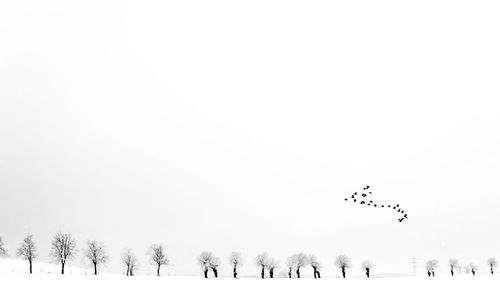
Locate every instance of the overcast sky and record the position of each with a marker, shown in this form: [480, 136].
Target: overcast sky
[242, 125]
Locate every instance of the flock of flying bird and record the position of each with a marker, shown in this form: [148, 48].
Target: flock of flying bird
[364, 200]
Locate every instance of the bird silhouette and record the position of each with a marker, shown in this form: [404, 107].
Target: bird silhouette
[366, 187]
[401, 220]
[375, 205]
[405, 216]
[363, 195]
[362, 202]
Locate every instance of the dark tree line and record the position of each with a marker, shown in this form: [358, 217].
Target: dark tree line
[63, 249]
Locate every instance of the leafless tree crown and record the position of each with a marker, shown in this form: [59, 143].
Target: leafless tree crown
[314, 262]
[96, 254]
[63, 248]
[235, 259]
[453, 262]
[367, 264]
[343, 261]
[431, 265]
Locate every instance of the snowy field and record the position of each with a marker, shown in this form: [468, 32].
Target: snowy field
[16, 285]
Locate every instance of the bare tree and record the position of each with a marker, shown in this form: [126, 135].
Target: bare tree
[454, 265]
[367, 266]
[316, 265]
[261, 261]
[3, 252]
[207, 261]
[431, 266]
[343, 262]
[236, 261]
[214, 265]
[27, 250]
[492, 263]
[158, 257]
[473, 268]
[129, 261]
[271, 265]
[301, 260]
[63, 248]
[290, 264]
[96, 253]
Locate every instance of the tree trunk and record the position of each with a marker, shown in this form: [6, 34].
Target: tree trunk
[235, 274]
[158, 271]
[452, 272]
[473, 272]
[262, 273]
[271, 273]
[319, 274]
[128, 270]
[31, 267]
[205, 273]
[289, 272]
[433, 274]
[429, 273]
[314, 272]
[491, 269]
[343, 272]
[215, 272]
[62, 268]
[95, 268]
[298, 272]
[367, 272]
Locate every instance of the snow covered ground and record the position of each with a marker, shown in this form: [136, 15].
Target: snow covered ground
[15, 285]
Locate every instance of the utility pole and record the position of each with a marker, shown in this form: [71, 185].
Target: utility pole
[414, 263]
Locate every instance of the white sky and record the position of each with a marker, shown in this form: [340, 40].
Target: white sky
[242, 125]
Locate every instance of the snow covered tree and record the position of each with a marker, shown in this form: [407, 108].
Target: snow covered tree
[492, 263]
[473, 268]
[96, 254]
[431, 266]
[208, 261]
[236, 261]
[63, 248]
[290, 264]
[215, 265]
[367, 266]
[261, 261]
[130, 262]
[27, 250]
[158, 257]
[316, 265]
[454, 265]
[271, 265]
[343, 262]
[301, 260]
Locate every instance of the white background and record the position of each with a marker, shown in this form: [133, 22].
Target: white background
[242, 125]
